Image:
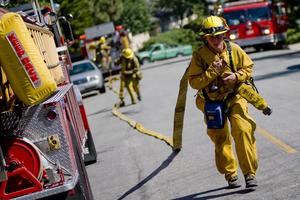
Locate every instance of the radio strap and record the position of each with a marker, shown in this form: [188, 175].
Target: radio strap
[251, 80]
[229, 49]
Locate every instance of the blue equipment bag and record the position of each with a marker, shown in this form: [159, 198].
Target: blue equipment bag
[215, 114]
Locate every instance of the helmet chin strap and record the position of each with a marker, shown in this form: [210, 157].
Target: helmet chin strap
[216, 50]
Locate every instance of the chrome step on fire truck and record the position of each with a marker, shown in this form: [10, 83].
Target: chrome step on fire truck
[44, 133]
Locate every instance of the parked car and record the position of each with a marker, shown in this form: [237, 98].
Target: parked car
[115, 69]
[87, 76]
[161, 51]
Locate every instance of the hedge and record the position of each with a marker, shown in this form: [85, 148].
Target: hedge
[175, 36]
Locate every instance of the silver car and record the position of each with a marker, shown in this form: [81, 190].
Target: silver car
[87, 76]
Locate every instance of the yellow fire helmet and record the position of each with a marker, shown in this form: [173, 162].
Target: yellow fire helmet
[127, 53]
[213, 25]
[102, 40]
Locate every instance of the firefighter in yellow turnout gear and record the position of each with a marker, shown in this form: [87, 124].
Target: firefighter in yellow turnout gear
[130, 76]
[211, 74]
[104, 52]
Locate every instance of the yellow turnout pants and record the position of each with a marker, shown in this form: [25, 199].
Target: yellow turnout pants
[127, 82]
[242, 132]
[136, 86]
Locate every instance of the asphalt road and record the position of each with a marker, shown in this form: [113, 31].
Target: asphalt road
[135, 166]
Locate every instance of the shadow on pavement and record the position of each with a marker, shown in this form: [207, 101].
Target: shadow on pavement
[163, 165]
[131, 112]
[291, 69]
[213, 196]
[165, 63]
[284, 54]
[107, 109]
[91, 94]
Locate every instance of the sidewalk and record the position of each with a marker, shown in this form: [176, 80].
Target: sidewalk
[295, 46]
[292, 49]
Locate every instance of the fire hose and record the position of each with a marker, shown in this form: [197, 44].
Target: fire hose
[176, 141]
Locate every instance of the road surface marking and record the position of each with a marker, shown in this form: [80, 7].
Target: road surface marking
[276, 141]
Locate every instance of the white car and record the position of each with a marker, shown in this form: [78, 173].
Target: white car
[87, 76]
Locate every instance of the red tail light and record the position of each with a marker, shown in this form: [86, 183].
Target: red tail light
[51, 115]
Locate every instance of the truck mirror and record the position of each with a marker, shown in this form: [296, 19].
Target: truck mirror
[66, 26]
[69, 17]
[4, 2]
[53, 17]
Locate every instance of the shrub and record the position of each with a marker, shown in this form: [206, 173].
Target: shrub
[293, 35]
[175, 36]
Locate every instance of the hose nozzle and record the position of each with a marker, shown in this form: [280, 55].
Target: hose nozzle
[267, 111]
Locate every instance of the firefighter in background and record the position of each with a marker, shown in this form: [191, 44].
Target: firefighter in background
[130, 76]
[104, 54]
[94, 52]
[215, 80]
[123, 37]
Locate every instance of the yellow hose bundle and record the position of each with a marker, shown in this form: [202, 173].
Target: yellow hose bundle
[26, 71]
[252, 96]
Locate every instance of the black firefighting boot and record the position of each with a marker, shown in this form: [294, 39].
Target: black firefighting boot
[250, 181]
[233, 182]
[121, 103]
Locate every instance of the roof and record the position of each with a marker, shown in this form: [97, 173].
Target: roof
[242, 5]
[99, 30]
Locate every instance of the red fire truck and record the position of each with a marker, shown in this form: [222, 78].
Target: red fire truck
[44, 144]
[257, 23]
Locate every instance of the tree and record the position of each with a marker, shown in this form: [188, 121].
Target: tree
[293, 12]
[15, 3]
[181, 8]
[89, 13]
[135, 16]
[81, 17]
[106, 10]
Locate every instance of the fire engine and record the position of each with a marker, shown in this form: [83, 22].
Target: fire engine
[45, 139]
[257, 23]
[116, 39]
